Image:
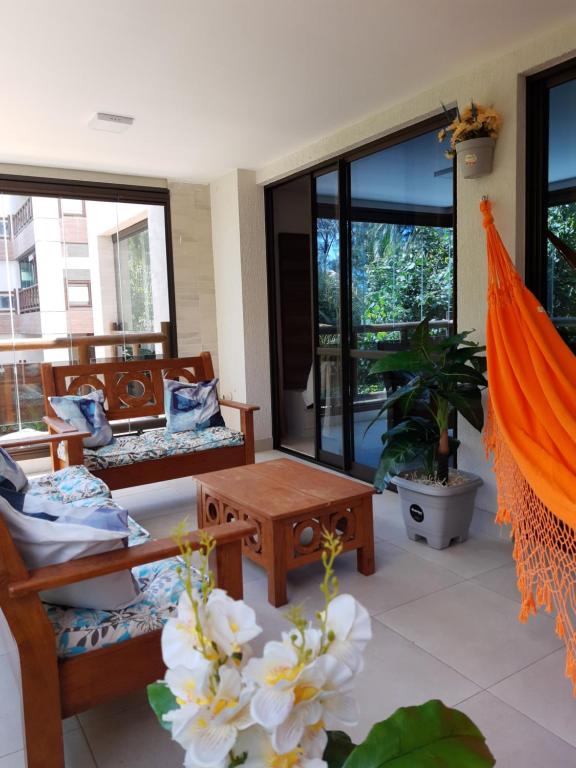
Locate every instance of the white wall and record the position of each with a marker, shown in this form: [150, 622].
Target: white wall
[241, 294]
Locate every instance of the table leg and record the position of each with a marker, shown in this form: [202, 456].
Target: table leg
[274, 552]
[365, 553]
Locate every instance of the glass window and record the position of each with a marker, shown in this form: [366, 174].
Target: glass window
[72, 207]
[79, 294]
[27, 265]
[402, 266]
[74, 268]
[551, 195]
[74, 250]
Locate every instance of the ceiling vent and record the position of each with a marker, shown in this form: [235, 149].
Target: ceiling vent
[106, 121]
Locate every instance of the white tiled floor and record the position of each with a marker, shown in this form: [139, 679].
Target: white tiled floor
[445, 626]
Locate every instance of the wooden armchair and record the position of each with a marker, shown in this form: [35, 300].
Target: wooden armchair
[54, 688]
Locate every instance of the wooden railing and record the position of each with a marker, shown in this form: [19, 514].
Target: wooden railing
[28, 299]
[82, 344]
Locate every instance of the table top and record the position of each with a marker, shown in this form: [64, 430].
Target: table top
[283, 488]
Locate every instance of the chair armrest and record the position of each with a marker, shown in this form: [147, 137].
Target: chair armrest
[121, 559]
[239, 406]
[42, 440]
[59, 425]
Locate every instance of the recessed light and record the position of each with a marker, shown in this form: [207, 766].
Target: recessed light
[106, 121]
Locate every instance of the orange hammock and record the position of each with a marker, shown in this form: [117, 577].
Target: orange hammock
[531, 432]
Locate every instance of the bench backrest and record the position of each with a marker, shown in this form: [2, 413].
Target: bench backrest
[133, 389]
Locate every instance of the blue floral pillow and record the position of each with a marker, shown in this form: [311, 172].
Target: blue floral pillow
[86, 414]
[191, 406]
[11, 473]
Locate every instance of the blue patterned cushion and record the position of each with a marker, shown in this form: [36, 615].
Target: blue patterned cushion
[158, 443]
[86, 414]
[71, 484]
[80, 630]
[191, 406]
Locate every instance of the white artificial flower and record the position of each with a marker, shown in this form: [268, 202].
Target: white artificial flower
[256, 745]
[322, 699]
[207, 727]
[181, 643]
[189, 685]
[348, 624]
[312, 640]
[230, 623]
[277, 674]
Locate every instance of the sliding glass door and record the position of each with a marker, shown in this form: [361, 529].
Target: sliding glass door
[329, 319]
[379, 227]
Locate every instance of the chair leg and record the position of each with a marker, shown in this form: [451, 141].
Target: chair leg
[41, 708]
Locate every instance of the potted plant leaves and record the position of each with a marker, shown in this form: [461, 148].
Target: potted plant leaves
[441, 376]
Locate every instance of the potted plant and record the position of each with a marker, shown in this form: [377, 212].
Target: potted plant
[443, 376]
[474, 132]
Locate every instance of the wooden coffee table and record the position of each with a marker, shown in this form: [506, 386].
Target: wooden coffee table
[290, 503]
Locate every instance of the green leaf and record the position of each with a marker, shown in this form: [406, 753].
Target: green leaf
[403, 396]
[464, 374]
[338, 748]
[468, 403]
[405, 360]
[428, 736]
[420, 338]
[162, 701]
[407, 441]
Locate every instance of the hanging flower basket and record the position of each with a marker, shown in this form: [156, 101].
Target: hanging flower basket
[475, 157]
[472, 135]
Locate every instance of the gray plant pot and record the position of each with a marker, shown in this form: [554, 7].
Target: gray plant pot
[440, 514]
[475, 157]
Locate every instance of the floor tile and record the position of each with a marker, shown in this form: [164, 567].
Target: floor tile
[15, 760]
[397, 674]
[399, 578]
[132, 738]
[543, 693]
[514, 739]
[475, 631]
[470, 558]
[165, 524]
[77, 753]
[501, 580]
[11, 733]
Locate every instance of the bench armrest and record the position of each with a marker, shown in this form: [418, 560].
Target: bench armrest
[43, 439]
[228, 555]
[239, 406]
[59, 426]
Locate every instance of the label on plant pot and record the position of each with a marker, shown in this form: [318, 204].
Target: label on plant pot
[470, 159]
[416, 513]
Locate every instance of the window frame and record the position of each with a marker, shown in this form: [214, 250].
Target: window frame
[78, 304]
[24, 258]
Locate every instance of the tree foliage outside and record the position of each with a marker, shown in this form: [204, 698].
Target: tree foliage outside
[561, 277]
[400, 273]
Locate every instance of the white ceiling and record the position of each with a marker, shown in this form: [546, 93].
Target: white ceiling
[219, 84]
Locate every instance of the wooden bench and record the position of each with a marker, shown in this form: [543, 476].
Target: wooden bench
[54, 688]
[135, 390]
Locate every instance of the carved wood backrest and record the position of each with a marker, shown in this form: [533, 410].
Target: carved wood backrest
[133, 389]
